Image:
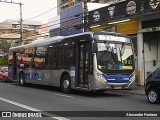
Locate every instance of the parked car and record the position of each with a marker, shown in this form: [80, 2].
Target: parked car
[4, 74]
[3, 55]
[152, 87]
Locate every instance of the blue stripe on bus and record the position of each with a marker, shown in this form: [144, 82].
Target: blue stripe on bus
[117, 78]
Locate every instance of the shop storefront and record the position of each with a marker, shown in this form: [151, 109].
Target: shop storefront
[151, 43]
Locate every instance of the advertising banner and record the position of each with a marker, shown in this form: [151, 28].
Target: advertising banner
[125, 9]
[71, 20]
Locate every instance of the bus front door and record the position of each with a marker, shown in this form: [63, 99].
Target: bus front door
[83, 65]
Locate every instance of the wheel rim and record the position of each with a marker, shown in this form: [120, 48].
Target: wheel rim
[152, 96]
[66, 84]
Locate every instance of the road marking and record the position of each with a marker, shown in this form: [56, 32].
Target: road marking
[63, 95]
[19, 104]
[32, 109]
[11, 86]
[60, 118]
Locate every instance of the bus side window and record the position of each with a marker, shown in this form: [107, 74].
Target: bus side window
[49, 56]
[40, 58]
[24, 57]
[68, 56]
[58, 52]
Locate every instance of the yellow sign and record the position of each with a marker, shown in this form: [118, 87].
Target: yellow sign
[128, 28]
[127, 67]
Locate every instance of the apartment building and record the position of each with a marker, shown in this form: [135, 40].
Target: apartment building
[10, 31]
[27, 24]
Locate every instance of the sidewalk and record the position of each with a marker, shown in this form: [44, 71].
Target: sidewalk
[138, 89]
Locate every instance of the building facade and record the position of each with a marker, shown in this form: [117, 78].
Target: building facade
[54, 26]
[27, 24]
[10, 32]
[71, 20]
[67, 3]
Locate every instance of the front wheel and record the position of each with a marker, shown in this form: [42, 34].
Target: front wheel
[22, 79]
[66, 84]
[153, 96]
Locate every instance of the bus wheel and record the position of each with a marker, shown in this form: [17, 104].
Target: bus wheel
[22, 79]
[66, 84]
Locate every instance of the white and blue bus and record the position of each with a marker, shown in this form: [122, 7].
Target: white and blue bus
[86, 61]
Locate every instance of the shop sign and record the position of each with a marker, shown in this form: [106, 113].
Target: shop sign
[111, 11]
[96, 16]
[131, 7]
[123, 9]
[154, 3]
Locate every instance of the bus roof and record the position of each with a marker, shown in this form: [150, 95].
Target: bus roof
[59, 39]
[38, 43]
[47, 41]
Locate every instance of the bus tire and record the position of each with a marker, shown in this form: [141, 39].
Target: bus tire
[22, 79]
[66, 84]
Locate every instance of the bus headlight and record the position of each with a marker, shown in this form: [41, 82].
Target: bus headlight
[100, 77]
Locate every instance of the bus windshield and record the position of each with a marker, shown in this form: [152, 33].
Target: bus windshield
[114, 56]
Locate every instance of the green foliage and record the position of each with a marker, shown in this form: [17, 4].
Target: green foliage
[3, 61]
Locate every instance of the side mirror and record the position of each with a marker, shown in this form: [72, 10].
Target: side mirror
[95, 48]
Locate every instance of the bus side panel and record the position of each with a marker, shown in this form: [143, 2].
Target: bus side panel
[44, 77]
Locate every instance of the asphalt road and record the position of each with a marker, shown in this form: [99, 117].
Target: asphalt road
[52, 102]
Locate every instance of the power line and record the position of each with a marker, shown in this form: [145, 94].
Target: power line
[64, 21]
[42, 13]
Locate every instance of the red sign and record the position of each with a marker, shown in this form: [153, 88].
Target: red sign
[131, 7]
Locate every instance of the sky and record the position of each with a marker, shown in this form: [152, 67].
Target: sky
[30, 9]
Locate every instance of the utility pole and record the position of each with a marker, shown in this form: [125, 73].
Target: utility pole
[21, 24]
[21, 21]
[86, 19]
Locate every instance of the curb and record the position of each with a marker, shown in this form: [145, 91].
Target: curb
[136, 92]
